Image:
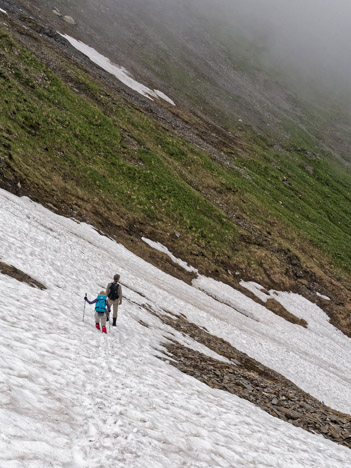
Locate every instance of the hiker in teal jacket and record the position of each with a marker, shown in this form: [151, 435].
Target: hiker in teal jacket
[102, 310]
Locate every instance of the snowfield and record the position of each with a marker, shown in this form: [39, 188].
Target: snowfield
[72, 397]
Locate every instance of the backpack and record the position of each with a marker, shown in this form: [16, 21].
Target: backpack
[113, 293]
[100, 306]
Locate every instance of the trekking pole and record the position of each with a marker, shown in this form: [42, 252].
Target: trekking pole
[84, 305]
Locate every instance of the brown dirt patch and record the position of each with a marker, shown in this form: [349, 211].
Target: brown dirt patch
[19, 275]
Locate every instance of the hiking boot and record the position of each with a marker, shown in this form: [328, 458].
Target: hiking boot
[104, 330]
[97, 326]
[114, 322]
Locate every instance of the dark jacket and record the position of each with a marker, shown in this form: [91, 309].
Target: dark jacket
[119, 291]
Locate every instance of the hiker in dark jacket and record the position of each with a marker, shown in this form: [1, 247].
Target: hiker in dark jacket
[114, 294]
[102, 310]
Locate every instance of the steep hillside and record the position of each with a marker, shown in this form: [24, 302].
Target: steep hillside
[193, 376]
[235, 206]
[210, 65]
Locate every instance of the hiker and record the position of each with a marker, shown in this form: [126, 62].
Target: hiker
[114, 294]
[101, 314]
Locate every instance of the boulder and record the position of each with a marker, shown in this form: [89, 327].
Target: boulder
[69, 20]
[56, 12]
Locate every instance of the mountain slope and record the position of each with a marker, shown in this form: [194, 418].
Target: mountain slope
[235, 206]
[207, 62]
[72, 397]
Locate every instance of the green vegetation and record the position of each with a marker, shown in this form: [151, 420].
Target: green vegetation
[76, 142]
[312, 196]
[53, 136]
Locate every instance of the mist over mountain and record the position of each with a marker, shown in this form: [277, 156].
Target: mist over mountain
[311, 36]
[273, 66]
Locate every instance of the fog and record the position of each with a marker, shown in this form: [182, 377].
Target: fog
[314, 35]
[311, 39]
[309, 36]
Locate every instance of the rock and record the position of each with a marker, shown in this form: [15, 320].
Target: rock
[297, 424]
[307, 407]
[334, 433]
[336, 419]
[247, 386]
[252, 381]
[56, 12]
[290, 414]
[235, 362]
[69, 20]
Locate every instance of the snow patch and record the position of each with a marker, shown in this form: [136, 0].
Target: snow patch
[3, 11]
[163, 96]
[256, 289]
[320, 351]
[161, 248]
[323, 297]
[119, 72]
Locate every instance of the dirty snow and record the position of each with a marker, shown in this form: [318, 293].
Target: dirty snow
[73, 398]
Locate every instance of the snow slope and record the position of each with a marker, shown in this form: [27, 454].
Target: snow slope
[71, 397]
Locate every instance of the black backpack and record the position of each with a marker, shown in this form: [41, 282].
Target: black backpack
[113, 293]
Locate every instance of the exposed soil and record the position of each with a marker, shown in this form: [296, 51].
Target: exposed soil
[19, 275]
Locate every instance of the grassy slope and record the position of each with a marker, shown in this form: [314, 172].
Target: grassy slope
[56, 138]
[72, 139]
[284, 105]
[299, 182]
